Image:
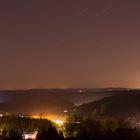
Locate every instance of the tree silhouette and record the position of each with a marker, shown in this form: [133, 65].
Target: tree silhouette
[41, 135]
[50, 134]
[14, 135]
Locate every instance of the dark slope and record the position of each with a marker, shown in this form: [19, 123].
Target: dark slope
[120, 105]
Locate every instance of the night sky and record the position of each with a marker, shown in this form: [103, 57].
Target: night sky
[69, 43]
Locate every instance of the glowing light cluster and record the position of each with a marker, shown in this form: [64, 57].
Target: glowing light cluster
[59, 122]
[30, 136]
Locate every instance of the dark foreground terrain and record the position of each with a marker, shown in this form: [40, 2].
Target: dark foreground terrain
[76, 128]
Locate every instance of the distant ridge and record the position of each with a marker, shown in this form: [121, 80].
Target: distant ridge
[56, 100]
[123, 104]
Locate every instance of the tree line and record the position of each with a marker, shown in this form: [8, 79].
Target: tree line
[75, 128]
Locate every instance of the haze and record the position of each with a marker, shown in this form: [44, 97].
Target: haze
[69, 43]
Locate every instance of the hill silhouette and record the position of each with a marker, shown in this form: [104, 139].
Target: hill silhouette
[47, 100]
[125, 104]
